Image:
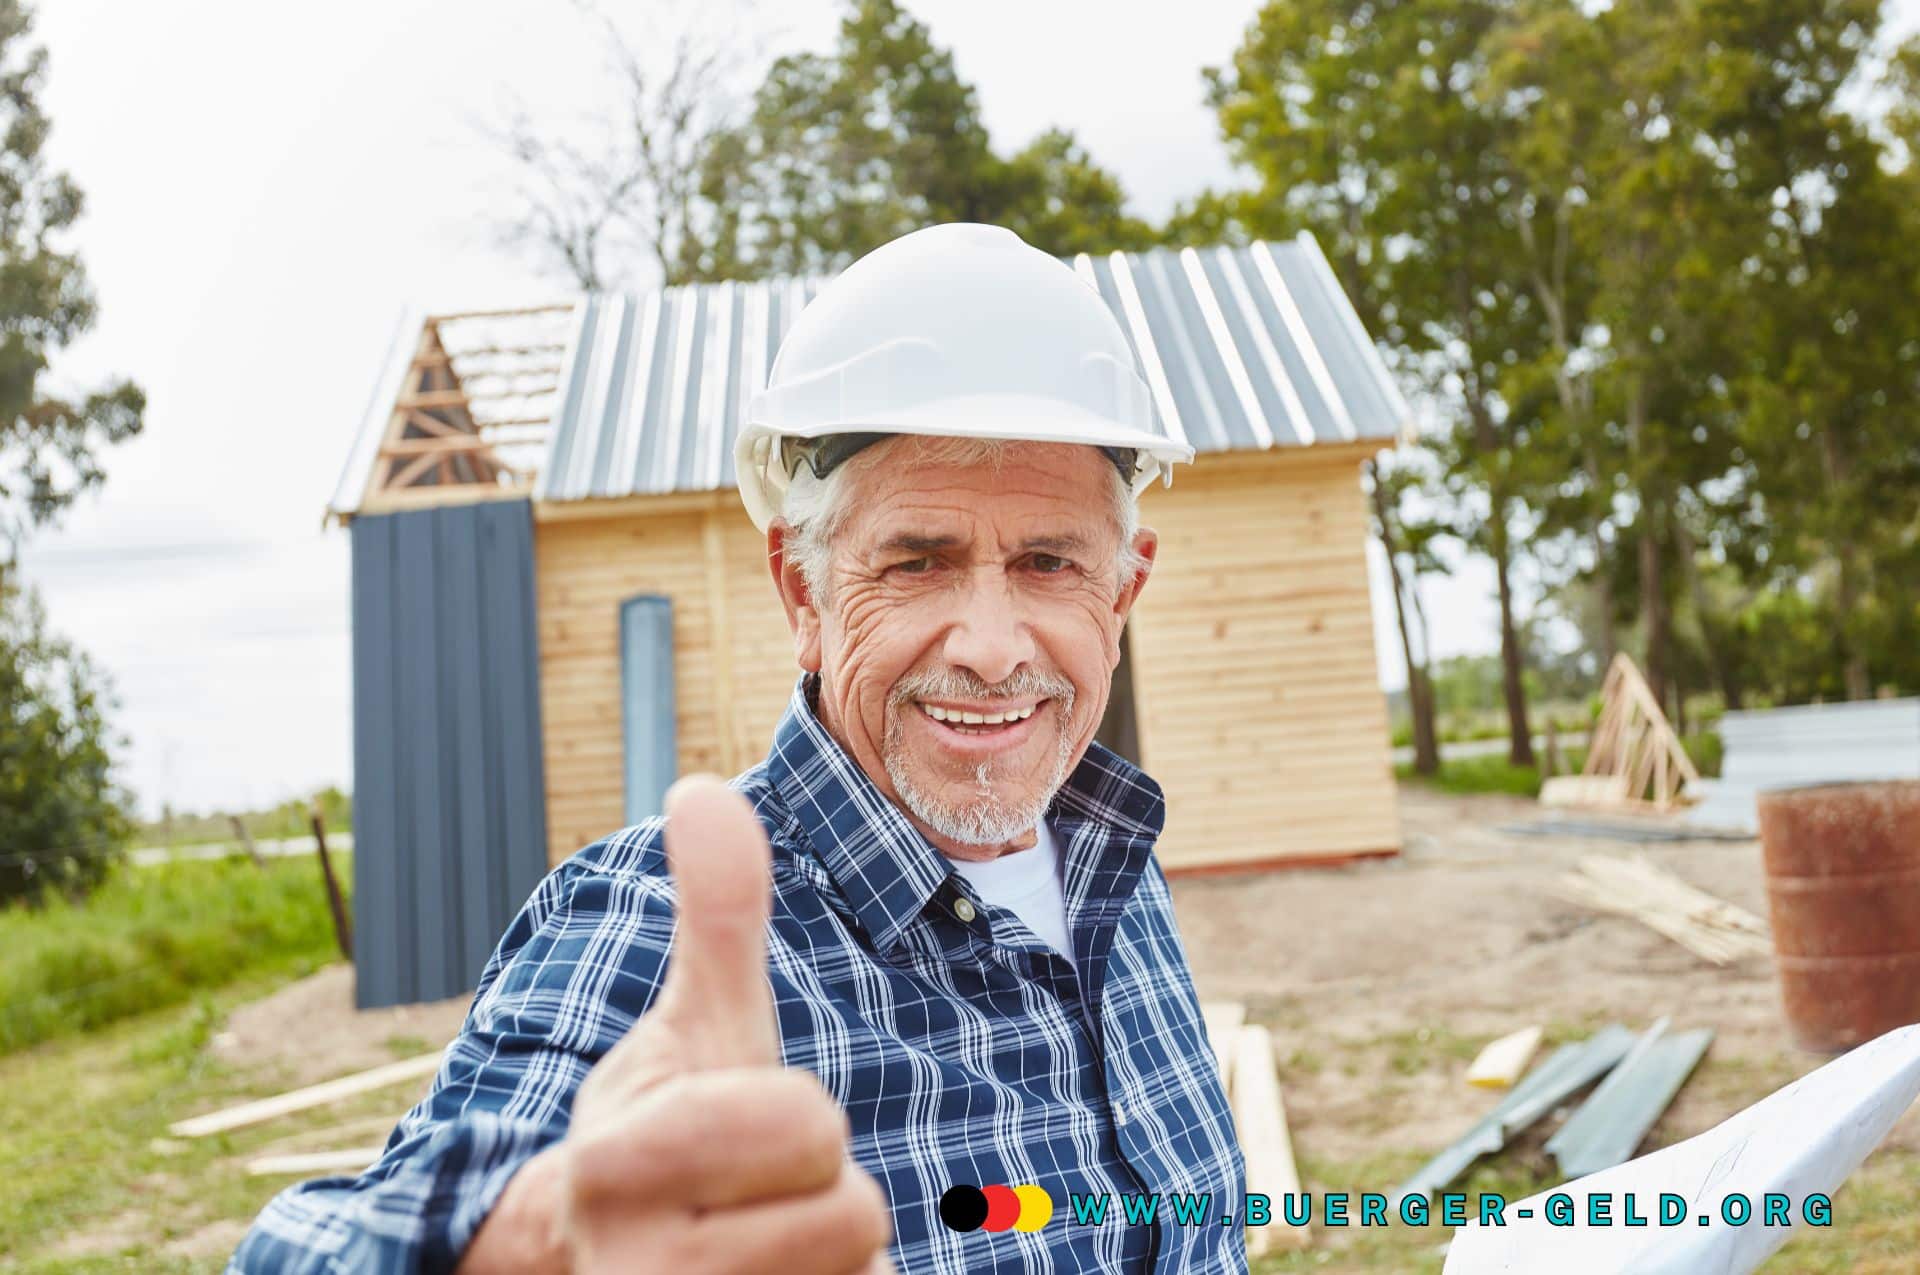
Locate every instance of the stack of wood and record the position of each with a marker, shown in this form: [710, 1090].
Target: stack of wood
[1245, 1054]
[1635, 761]
[347, 1159]
[1636, 887]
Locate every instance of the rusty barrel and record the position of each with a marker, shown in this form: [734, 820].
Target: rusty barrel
[1843, 887]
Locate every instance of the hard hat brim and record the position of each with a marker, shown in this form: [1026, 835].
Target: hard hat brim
[1007, 417]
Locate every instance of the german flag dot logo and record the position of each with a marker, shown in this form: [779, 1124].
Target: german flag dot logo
[996, 1208]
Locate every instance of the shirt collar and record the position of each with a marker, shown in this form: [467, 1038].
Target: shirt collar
[883, 867]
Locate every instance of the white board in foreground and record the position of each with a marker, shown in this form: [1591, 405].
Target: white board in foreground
[1803, 1140]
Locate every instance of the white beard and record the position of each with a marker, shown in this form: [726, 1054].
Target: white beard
[986, 819]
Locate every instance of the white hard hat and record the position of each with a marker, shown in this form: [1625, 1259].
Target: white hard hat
[958, 330]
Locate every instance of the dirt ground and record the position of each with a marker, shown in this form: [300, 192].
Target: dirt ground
[1379, 980]
[1382, 979]
[309, 1031]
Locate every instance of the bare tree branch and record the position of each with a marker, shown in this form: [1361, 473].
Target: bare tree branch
[629, 209]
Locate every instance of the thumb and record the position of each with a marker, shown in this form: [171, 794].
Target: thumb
[715, 994]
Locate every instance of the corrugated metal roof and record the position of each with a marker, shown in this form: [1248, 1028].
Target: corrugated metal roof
[1244, 349]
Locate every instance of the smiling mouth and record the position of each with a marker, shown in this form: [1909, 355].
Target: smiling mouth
[975, 722]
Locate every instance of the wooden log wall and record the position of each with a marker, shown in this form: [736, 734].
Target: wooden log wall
[1260, 707]
[1260, 702]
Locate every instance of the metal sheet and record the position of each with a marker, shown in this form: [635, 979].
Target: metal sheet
[449, 805]
[1565, 1072]
[1245, 349]
[647, 703]
[1809, 744]
[1608, 1126]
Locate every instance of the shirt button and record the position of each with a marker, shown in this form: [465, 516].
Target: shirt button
[1119, 1112]
[964, 909]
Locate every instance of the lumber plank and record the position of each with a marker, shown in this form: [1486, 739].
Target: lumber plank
[302, 1099]
[345, 1160]
[1260, 1118]
[1223, 1021]
[1504, 1060]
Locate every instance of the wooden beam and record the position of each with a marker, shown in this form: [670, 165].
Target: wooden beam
[1260, 1118]
[433, 424]
[1504, 1060]
[399, 500]
[438, 445]
[305, 1099]
[432, 398]
[714, 544]
[1224, 1019]
[309, 1163]
[677, 502]
[404, 475]
[458, 316]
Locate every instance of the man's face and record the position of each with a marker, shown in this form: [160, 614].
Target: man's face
[968, 591]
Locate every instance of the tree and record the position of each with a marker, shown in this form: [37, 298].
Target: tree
[1371, 125]
[831, 156]
[62, 817]
[633, 206]
[1407, 538]
[50, 443]
[847, 150]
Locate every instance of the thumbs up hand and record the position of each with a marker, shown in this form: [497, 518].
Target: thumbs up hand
[690, 1149]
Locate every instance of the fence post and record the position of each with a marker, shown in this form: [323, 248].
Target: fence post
[246, 839]
[342, 927]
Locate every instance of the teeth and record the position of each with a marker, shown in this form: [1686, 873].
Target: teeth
[939, 714]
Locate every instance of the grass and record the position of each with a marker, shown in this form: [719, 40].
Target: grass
[93, 1182]
[151, 937]
[95, 1185]
[1492, 773]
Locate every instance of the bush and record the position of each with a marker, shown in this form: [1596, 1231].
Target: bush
[63, 821]
[148, 937]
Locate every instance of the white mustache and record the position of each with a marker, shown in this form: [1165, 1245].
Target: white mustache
[959, 684]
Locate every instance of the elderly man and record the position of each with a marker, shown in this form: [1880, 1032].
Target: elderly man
[913, 986]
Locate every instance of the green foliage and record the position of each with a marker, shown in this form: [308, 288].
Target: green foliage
[846, 150]
[48, 444]
[1653, 279]
[63, 820]
[149, 937]
[1484, 774]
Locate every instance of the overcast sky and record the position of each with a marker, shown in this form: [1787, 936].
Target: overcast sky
[268, 185]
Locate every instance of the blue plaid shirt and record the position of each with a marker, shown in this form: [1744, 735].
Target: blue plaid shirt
[962, 1051]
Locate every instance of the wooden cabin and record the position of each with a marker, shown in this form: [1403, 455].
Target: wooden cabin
[559, 603]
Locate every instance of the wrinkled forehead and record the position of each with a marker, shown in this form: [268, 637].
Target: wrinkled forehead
[1025, 494]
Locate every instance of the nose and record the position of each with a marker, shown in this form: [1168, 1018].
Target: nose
[989, 637]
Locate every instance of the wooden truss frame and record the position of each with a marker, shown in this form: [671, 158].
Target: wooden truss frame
[1636, 759]
[437, 448]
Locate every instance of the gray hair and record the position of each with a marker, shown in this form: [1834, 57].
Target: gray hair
[815, 508]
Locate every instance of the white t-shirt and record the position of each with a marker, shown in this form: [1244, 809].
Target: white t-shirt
[1027, 884]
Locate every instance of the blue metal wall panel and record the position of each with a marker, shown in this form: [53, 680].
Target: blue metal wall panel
[647, 702]
[449, 795]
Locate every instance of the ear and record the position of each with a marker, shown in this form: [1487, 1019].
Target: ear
[803, 618]
[1146, 543]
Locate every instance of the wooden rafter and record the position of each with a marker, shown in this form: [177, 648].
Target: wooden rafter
[1636, 759]
[438, 445]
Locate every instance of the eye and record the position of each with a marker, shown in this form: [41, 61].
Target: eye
[913, 566]
[1050, 564]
